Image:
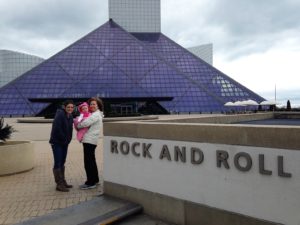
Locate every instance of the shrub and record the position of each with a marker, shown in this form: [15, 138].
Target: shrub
[5, 130]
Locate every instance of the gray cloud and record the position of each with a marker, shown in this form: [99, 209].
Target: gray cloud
[255, 17]
[52, 17]
[26, 26]
[237, 27]
[261, 22]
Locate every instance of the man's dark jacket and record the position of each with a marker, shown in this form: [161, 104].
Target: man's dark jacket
[62, 128]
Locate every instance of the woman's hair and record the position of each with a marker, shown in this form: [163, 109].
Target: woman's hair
[98, 101]
[67, 102]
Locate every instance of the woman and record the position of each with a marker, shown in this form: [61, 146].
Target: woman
[90, 141]
[61, 136]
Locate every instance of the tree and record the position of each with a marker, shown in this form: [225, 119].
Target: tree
[5, 131]
[288, 106]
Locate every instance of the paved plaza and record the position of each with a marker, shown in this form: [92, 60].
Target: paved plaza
[31, 194]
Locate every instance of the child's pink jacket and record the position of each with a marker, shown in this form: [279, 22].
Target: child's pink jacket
[81, 132]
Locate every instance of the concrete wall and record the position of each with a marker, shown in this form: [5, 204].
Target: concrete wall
[179, 211]
[258, 182]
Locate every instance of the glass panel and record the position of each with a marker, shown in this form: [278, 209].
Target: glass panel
[46, 81]
[12, 103]
[168, 49]
[135, 61]
[109, 39]
[79, 59]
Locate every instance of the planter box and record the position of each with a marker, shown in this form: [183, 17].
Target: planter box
[16, 157]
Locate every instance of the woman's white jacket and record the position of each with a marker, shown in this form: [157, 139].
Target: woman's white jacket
[94, 122]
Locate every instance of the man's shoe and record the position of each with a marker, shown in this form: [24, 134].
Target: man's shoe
[85, 186]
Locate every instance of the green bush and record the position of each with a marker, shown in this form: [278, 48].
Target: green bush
[5, 130]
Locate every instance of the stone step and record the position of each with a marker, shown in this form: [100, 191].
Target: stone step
[100, 210]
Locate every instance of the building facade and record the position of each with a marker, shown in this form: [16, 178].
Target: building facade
[13, 64]
[136, 15]
[204, 52]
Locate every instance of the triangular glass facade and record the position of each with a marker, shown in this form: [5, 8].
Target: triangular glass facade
[111, 63]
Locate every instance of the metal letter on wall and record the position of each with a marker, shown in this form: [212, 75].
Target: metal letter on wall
[180, 153]
[194, 152]
[133, 146]
[146, 150]
[124, 147]
[248, 161]
[281, 172]
[261, 164]
[165, 153]
[222, 157]
[114, 146]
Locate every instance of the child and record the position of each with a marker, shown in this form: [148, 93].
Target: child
[84, 113]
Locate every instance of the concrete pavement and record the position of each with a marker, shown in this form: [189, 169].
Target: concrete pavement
[31, 194]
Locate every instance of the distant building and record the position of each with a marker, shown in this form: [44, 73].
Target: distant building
[204, 52]
[13, 64]
[136, 15]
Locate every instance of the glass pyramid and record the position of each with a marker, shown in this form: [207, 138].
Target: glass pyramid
[110, 63]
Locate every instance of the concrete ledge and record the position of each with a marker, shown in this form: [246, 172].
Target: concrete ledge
[287, 115]
[133, 118]
[112, 119]
[178, 211]
[16, 157]
[224, 119]
[34, 120]
[283, 137]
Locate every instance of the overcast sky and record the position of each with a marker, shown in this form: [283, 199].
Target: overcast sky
[256, 42]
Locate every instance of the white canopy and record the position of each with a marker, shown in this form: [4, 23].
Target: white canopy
[239, 103]
[250, 102]
[267, 102]
[229, 104]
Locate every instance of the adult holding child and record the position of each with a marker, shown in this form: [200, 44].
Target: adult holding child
[90, 141]
[61, 136]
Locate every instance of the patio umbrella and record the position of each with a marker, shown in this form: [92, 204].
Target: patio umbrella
[250, 102]
[239, 103]
[229, 104]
